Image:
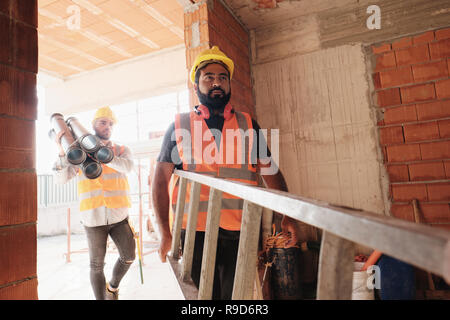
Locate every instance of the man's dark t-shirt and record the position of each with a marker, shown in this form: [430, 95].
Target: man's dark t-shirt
[214, 122]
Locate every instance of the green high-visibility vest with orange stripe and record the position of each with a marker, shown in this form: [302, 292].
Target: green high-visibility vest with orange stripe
[230, 161]
[110, 190]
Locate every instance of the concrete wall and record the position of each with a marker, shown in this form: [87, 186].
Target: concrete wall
[328, 137]
[309, 25]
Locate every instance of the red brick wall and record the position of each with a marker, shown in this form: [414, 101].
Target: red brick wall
[218, 27]
[18, 109]
[412, 83]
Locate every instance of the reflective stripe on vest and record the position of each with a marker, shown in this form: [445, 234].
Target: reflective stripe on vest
[110, 190]
[194, 154]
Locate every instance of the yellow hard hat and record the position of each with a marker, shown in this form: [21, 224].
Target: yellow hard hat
[104, 112]
[212, 55]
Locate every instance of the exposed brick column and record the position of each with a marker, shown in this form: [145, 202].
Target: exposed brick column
[411, 78]
[18, 110]
[209, 23]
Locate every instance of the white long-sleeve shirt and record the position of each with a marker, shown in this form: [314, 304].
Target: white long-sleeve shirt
[65, 171]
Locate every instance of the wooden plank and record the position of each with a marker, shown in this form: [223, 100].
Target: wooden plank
[188, 287]
[178, 221]
[419, 245]
[191, 227]
[244, 279]
[210, 246]
[335, 268]
[257, 292]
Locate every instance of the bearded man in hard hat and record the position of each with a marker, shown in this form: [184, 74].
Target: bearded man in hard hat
[211, 75]
[104, 204]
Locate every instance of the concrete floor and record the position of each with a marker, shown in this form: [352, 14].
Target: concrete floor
[59, 280]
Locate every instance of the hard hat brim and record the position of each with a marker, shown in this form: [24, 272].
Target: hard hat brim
[212, 58]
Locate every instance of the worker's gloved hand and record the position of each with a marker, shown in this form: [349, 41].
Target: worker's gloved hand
[288, 225]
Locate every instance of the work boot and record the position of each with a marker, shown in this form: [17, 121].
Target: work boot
[111, 294]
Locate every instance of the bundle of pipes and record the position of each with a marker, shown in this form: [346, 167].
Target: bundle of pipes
[81, 147]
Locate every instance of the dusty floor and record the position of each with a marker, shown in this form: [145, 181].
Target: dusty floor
[59, 280]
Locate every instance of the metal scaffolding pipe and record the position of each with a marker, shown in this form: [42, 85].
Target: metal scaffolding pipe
[74, 154]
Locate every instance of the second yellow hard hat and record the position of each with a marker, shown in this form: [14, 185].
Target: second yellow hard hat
[104, 112]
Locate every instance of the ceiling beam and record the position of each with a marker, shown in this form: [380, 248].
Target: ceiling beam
[155, 14]
[101, 40]
[117, 23]
[66, 47]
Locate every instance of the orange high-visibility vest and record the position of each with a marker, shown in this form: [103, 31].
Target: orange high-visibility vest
[231, 161]
[110, 190]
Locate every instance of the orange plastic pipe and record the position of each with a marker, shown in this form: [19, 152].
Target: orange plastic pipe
[373, 258]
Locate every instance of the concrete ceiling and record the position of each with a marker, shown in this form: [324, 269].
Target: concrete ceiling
[259, 13]
[79, 36]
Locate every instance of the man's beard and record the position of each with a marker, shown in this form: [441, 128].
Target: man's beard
[102, 136]
[216, 102]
